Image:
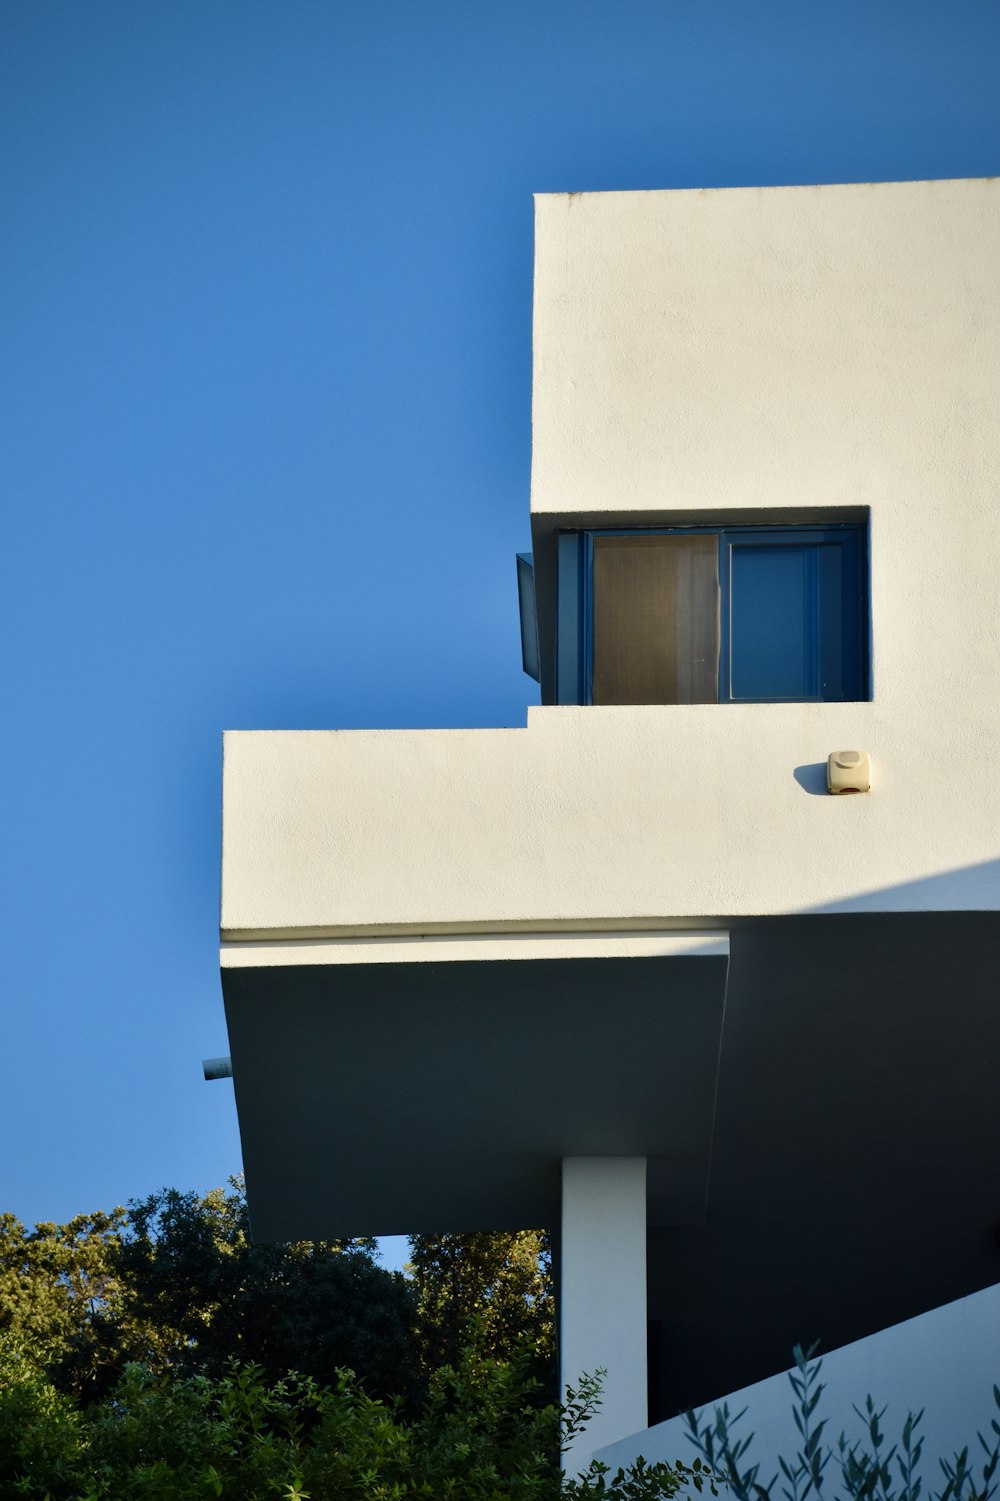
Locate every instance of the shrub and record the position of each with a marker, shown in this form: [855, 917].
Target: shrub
[869, 1470]
[480, 1435]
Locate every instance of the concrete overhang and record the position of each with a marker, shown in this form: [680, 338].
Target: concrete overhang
[430, 1085]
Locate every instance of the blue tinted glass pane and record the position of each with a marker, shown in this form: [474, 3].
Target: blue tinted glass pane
[834, 668]
[529, 615]
[773, 622]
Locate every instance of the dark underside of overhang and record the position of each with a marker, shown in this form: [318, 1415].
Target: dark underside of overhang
[423, 1097]
[854, 1175]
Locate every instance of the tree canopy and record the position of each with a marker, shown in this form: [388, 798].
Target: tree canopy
[497, 1287]
[156, 1352]
[59, 1284]
[175, 1283]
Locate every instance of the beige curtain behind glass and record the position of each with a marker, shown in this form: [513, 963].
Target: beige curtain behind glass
[656, 620]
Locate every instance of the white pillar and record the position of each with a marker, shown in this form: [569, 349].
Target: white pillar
[603, 1294]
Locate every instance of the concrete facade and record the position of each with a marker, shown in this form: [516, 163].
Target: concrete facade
[782, 1001]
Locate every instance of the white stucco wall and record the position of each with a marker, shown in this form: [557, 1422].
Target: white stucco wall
[718, 350]
[944, 1362]
[800, 346]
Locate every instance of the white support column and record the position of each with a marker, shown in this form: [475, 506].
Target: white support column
[603, 1293]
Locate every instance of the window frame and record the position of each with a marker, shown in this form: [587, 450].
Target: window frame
[575, 604]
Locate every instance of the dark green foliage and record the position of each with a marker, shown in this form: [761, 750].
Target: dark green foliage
[805, 1472]
[636, 1482]
[40, 1429]
[200, 1293]
[493, 1289]
[240, 1437]
[156, 1354]
[60, 1284]
[175, 1284]
[869, 1471]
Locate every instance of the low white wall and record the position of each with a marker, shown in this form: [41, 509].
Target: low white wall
[610, 817]
[945, 1362]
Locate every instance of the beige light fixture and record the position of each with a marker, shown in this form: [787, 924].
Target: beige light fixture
[848, 771]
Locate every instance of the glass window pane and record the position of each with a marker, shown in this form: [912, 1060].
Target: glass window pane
[837, 660]
[656, 620]
[774, 621]
[529, 615]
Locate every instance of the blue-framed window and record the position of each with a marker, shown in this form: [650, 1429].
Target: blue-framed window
[763, 614]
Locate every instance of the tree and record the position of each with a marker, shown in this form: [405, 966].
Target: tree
[490, 1289]
[199, 1293]
[56, 1283]
[175, 1284]
[157, 1351]
[240, 1437]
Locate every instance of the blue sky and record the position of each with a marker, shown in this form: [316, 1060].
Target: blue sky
[265, 317]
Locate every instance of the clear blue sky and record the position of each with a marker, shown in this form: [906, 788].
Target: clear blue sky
[265, 299]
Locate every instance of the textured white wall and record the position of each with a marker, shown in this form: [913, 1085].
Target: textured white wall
[602, 1293]
[769, 347]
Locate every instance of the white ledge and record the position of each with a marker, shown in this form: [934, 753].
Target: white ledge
[442, 948]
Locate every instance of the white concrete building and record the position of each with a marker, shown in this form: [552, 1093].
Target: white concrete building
[750, 1029]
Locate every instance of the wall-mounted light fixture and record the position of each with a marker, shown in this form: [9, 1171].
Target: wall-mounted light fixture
[848, 771]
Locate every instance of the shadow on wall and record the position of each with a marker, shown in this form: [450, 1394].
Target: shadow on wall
[944, 1362]
[812, 778]
[966, 888]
